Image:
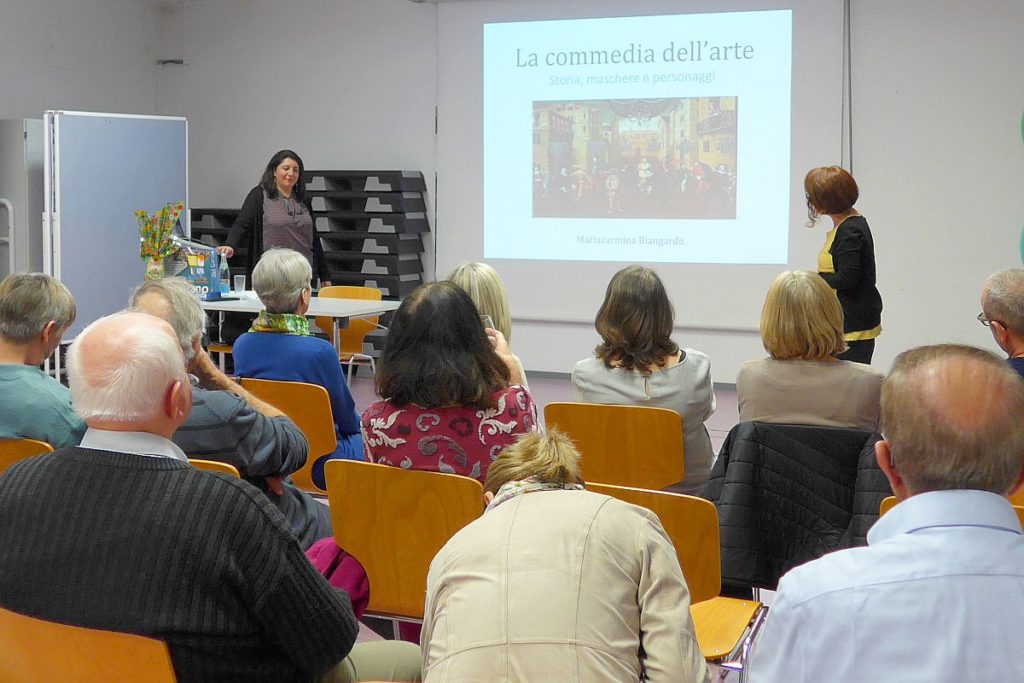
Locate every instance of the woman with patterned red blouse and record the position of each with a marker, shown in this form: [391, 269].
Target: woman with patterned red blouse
[451, 390]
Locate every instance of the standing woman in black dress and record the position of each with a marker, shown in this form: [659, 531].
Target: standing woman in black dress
[847, 261]
[275, 214]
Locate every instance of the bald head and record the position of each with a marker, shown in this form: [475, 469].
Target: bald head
[952, 418]
[121, 369]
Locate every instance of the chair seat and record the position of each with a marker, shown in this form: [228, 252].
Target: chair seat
[721, 623]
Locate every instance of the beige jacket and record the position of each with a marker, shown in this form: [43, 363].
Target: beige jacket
[560, 586]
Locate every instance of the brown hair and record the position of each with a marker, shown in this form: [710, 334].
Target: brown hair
[830, 190]
[551, 458]
[635, 321]
[801, 318]
[951, 416]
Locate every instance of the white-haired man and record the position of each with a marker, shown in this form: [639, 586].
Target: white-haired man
[228, 423]
[1002, 311]
[938, 592]
[35, 309]
[121, 533]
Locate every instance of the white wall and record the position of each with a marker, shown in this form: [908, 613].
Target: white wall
[84, 55]
[939, 158]
[348, 84]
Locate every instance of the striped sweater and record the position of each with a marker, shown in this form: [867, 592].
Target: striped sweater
[154, 547]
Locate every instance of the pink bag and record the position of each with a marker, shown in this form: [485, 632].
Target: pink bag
[342, 571]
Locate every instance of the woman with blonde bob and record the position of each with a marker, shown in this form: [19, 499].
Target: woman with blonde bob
[638, 364]
[484, 286]
[588, 587]
[803, 381]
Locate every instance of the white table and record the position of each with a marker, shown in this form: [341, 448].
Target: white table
[340, 310]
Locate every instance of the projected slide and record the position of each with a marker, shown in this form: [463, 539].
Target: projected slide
[660, 139]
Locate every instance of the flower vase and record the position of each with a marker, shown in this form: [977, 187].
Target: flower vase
[154, 269]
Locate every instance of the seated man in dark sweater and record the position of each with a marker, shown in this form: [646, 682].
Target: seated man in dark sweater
[121, 533]
[228, 423]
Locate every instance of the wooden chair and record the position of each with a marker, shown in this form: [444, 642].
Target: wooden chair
[890, 502]
[1017, 497]
[13, 450]
[33, 650]
[726, 627]
[623, 445]
[214, 466]
[309, 407]
[222, 350]
[349, 340]
[394, 521]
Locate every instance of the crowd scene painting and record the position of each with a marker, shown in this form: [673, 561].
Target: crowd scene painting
[645, 158]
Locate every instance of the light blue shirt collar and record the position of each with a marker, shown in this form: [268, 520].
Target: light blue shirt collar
[138, 443]
[945, 509]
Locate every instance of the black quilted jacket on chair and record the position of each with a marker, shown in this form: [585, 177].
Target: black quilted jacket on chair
[787, 494]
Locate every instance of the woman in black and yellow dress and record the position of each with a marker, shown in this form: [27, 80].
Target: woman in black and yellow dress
[847, 261]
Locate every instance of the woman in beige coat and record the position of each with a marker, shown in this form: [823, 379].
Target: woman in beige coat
[554, 583]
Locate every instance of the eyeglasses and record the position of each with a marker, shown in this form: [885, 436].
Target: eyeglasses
[985, 321]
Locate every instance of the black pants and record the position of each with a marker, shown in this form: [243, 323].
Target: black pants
[859, 351]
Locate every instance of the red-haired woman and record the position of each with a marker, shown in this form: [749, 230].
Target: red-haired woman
[847, 261]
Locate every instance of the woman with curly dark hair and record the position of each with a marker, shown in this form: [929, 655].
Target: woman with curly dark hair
[451, 398]
[637, 363]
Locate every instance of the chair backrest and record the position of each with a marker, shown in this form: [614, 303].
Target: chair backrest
[890, 502]
[691, 524]
[214, 466]
[309, 407]
[1017, 497]
[394, 521]
[350, 339]
[33, 650]
[13, 450]
[623, 445]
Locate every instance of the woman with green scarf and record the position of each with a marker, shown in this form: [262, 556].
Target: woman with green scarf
[279, 346]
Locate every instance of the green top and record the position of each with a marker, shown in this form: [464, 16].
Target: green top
[33, 405]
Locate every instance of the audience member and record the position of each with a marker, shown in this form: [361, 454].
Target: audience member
[557, 583]
[451, 393]
[229, 424]
[485, 288]
[803, 382]
[945, 567]
[35, 309]
[279, 346]
[1002, 311]
[122, 534]
[637, 363]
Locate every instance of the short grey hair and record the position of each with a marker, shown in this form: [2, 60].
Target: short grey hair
[186, 315]
[29, 301]
[952, 417]
[1004, 298]
[280, 278]
[130, 382]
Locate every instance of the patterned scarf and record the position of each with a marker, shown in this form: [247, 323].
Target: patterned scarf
[512, 489]
[288, 323]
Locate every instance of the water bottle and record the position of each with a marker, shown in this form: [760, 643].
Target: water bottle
[225, 276]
